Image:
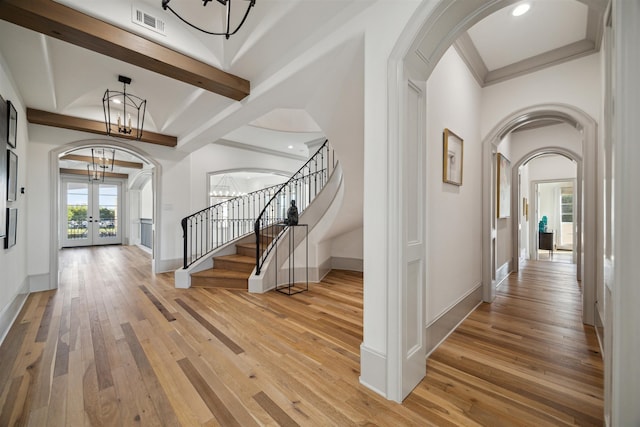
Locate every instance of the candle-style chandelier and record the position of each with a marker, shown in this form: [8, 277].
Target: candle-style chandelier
[227, 4]
[123, 112]
[102, 160]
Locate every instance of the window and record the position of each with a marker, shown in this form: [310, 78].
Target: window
[566, 202]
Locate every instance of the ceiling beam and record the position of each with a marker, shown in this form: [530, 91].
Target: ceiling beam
[89, 159]
[46, 118]
[67, 24]
[85, 173]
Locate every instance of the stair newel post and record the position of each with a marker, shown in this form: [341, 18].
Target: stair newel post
[256, 229]
[184, 241]
[207, 228]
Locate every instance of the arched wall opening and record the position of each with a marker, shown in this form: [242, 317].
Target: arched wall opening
[428, 35]
[547, 181]
[586, 191]
[138, 180]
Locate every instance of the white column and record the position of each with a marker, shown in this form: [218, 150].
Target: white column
[625, 410]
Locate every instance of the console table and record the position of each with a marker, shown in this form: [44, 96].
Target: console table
[293, 287]
[545, 241]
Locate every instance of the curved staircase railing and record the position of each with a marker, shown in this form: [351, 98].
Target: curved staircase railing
[302, 187]
[212, 227]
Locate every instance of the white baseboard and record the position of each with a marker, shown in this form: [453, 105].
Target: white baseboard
[439, 329]
[503, 272]
[352, 264]
[167, 265]
[39, 282]
[9, 314]
[373, 370]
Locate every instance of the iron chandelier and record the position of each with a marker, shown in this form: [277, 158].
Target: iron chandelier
[122, 110]
[227, 3]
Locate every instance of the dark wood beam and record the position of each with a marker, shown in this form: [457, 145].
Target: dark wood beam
[88, 159]
[46, 118]
[67, 24]
[84, 172]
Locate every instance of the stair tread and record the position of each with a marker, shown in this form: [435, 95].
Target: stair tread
[221, 273]
[237, 258]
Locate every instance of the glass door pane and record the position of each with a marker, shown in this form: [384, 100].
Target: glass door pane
[90, 213]
[107, 208]
[75, 214]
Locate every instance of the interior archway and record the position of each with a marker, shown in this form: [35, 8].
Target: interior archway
[430, 32]
[54, 173]
[586, 185]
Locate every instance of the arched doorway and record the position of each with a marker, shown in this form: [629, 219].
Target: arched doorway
[586, 191]
[54, 174]
[431, 31]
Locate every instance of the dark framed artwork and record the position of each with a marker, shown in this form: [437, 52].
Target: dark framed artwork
[12, 227]
[12, 176]
[12, 119]
[3, 166]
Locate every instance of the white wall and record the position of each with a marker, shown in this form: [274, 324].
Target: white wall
[453, 213]
[214, 158]
[574, 83]
[560, 135]
[13, 261]
[146, 200]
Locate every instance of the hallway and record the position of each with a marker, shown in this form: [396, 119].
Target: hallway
[116, 345]
[525, 359]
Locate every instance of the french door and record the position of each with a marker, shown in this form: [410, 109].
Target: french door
[91, 213]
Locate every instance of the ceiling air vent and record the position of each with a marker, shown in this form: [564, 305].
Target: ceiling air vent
[148, 21]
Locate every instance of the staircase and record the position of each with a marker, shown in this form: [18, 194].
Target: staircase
[233, 271]
[229, 271]
[246, 225]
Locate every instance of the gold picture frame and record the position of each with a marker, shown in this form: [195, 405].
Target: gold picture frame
[452, 157]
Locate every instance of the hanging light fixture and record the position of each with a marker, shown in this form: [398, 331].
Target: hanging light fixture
[100, 163]
[226, 188]
[122, 110]
[227, 3]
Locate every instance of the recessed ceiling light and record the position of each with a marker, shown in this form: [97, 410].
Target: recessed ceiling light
[521, 9]
[291, 147]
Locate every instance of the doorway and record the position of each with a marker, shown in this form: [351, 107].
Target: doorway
[91, 212]
[554, 221]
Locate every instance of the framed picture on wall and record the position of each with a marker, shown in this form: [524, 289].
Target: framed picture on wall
[503, 186]
[12, 119]
[12, 176]
[452, 151]
[12, 227]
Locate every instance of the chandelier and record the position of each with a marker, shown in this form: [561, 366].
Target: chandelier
[100, 163]
[122, 110]
[226, 188]
[227, 4]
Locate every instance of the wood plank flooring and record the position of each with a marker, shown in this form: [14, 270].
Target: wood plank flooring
[118, 346]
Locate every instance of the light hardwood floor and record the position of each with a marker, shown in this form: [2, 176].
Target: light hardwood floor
[116, 345]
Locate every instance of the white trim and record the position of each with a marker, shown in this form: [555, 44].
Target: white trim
[343, 263]
[376, 364]
[454, 304]
[54, 199]
[10, 313]
[40, 282]
[478, 290]
[586, 191]
[502, 273]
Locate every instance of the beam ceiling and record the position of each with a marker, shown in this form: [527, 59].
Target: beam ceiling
[67, 24]
[46, 118]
